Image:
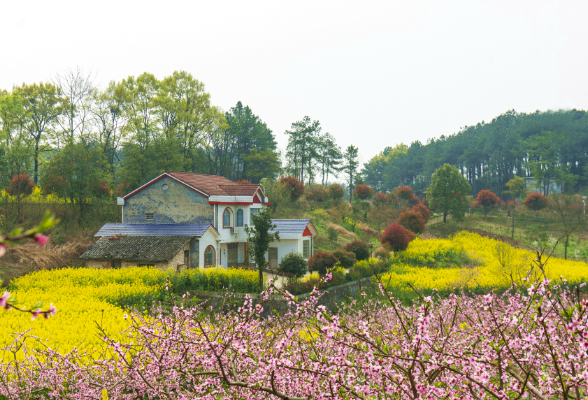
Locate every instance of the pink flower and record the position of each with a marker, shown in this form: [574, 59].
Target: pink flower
[52, 309]
[40, 239]
[2, 250]
[35, 313]
[4, 300]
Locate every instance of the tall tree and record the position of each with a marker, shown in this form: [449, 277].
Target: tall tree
[329, 156]
[350, 164]
[259, 239]
[44, 105]
[77, 90]
[301, 151]
[447, 191]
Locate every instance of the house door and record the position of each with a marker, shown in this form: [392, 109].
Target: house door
[233, 254]
[273, 257]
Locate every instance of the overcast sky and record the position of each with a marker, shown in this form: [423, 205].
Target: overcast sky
[374, 73]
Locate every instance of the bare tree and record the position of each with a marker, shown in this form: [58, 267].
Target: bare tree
[569, 212]
[77, 87]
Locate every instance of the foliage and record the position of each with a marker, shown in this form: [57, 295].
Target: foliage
[359, 248]
[20, 185]
[346, 258]
[336, 192]
[536, 201]
[294, 263]
[422, 210]
[259, 239]
[413, 221]
[570, 212]
[277, 193]
[318, 193]
[516, 187]
[487, 199]
[381, 198]
[396, 238]
[349, 167]
[321, 261]
[294, 187]
[447, 192]
[363, 192]
[414, 200]
[405, 193]
[332, 234]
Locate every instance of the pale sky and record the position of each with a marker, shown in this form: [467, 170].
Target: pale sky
[374, 73]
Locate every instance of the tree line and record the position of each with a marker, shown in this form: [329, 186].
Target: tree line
[548, 146]
[81, 142]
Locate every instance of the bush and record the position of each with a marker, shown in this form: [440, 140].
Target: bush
[414, 200]
[383, 255]
[316, 193]
[359, 248]
[243, 182]
[405, 193]
[396, 237]
[293, 185]
[381, 198]
[363, 192]
[413, 221]
[294, 263]
[536, 201]
[423, 210]
[347, 259]
[336, 192]
[332, 234]
[20, 185]
[487, 199]
[321, 262]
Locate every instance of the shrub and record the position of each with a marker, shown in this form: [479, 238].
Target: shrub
[381, 198]
[414, 200]
[536, 201]
[487, 199]
[359, 248]
[383, 255]
[332, 234]
[294, 263]
[20, 185]
[405, 193]
[347, 259]
[396, 237]
[316, 193]
[423, 210]
[243, 182]
[336, 192]
[413, 221]
[321, 262]
[363, 192]
[294, 187]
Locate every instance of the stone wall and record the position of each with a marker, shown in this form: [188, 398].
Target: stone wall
[332, 296]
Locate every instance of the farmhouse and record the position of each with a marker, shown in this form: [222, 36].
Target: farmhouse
[184, 220]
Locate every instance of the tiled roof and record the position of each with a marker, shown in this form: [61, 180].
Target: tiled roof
[136, 248]
[209, 184]
[287, 226]
[240, 190]
[153, 229]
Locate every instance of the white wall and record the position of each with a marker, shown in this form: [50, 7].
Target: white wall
[286, 246]
[207, 239]
[225, 233]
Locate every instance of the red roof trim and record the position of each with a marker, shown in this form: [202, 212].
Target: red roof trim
[231, 203]
[256, 199]
[307, 232]
[169, 176]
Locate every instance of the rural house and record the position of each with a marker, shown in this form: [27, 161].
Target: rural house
[188, 220]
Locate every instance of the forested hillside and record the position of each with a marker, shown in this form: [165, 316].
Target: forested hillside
[545, 145]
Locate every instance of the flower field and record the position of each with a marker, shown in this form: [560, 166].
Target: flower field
[86, 296]
[491, 264]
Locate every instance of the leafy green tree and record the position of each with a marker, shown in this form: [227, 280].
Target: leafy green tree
[516, 187]
[350, 164]
[329, 156]
[295, 264]
[448, 190]
[259, 239]
[301, 151]
[262, 164]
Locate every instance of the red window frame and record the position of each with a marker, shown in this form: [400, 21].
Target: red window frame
[232, 219]
[213, 256]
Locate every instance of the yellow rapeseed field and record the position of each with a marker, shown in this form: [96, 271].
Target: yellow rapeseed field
[86, 296]
[494, 264]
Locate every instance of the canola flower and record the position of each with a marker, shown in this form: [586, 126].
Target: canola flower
[494, 264]
[86, 297]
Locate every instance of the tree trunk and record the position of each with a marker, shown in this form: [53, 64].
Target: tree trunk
[260, 279]
[445, 217]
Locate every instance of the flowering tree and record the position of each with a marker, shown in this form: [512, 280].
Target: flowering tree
[20, 185]
[381, 198]
[526, 343]
[422, 210]
[363, 191]
[396, 237]
[536, 201]
[336, 191]
[405, 193]
[487, 199]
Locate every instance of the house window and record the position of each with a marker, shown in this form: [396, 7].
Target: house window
[232, 254]
[227, 218]
[254, 211]
[146, 265]
[239, 217]
[306, 248]
[148, 216]
[209, 257]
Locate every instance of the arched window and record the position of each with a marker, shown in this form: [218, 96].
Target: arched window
[209, 257]
[227, 218]
[239, 217]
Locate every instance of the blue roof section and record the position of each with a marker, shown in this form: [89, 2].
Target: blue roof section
[293, 226]
[153, 229]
